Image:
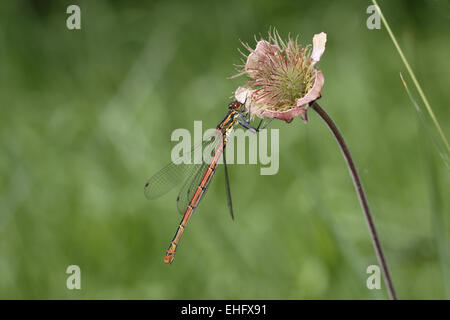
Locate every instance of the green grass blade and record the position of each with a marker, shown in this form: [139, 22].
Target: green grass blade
[413, 77]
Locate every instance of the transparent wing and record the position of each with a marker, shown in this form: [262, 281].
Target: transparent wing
[176, 172]
[227, 185]
[189, 187]
[167, 178]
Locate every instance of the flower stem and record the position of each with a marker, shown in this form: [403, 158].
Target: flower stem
[361, 195]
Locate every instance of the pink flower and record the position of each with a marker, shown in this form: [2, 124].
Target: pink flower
[283, 78]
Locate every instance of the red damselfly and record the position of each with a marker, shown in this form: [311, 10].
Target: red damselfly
[197, 177]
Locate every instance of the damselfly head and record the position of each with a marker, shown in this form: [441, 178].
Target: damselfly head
[235, 106]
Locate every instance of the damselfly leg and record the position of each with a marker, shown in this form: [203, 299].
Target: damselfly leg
[245, 123]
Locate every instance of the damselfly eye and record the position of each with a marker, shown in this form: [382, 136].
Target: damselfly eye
[235, 105]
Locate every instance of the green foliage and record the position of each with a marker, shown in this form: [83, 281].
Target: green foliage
[86, 118]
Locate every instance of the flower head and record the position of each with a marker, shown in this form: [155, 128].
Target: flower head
[282, 76]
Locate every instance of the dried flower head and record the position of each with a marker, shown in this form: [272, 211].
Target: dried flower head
[282, 77]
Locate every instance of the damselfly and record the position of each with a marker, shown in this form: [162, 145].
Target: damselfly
[198, 176]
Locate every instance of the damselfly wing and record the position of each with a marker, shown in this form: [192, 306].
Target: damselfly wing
[181, 170]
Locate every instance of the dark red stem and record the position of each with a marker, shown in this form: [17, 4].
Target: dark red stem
[361, 195]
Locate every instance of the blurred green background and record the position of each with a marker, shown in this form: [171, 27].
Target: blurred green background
[86, 118]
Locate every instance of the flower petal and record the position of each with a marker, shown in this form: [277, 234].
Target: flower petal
[319, 41]
[284, 115]
[301, 108]
[258, 56]
[245, 96]
[315, 92]
[242, 94]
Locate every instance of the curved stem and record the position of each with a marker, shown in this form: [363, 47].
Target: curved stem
[361, 195]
